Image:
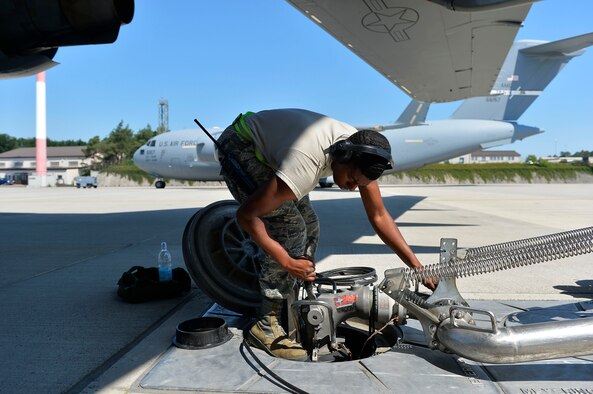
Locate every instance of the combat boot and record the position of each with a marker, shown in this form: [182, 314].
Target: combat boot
[268, 335]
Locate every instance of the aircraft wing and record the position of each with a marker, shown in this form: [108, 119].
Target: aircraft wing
[432, 53]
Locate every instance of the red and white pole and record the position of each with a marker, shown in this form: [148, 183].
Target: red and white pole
[41, 131]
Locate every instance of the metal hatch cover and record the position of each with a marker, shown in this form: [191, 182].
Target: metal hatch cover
[407, 368]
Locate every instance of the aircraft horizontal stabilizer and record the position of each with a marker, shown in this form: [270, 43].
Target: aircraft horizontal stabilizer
[528, 69]
[564, 47]
[492, 144]
[414, 114]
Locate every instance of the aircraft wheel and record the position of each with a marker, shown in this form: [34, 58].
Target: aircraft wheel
[222, 259]
[159, 184]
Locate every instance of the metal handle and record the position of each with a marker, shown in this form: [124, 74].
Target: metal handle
[493, 329]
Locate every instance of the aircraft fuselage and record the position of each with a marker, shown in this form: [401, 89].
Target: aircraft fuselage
[190, 155]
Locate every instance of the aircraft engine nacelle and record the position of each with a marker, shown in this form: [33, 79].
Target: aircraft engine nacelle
[32, 30]
[480, 5]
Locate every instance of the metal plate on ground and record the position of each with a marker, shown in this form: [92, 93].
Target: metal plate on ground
[560, 376]
[230, 368]
[407, 368]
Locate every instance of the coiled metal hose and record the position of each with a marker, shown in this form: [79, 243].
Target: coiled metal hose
[508, 255]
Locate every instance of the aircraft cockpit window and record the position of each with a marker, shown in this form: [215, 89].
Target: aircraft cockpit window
[150, 143]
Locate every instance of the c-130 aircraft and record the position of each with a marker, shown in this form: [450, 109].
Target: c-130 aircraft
[479, 123]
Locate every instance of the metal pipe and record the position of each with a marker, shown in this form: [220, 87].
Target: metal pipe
[530, 342]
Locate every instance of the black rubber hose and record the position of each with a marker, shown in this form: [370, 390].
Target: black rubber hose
[288, 386]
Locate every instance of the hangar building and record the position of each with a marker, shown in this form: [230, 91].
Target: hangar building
[64, 164]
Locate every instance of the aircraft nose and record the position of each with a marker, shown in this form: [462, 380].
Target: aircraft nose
[137, 156]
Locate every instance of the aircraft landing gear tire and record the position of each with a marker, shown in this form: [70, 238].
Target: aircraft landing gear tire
[222, 259]
[159, 184]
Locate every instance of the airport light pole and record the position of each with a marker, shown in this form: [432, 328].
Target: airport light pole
[41, 131]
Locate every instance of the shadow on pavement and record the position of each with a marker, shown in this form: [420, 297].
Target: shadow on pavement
[583, 288]
[62, 323]
[346, 221]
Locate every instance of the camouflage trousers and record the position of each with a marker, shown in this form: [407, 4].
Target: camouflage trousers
[294, 224]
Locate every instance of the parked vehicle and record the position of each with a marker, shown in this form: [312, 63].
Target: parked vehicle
[86, 181]
[6, 181]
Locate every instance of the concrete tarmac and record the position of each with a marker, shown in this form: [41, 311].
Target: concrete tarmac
[63, 250]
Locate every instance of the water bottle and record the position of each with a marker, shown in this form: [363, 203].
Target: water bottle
[165, 266]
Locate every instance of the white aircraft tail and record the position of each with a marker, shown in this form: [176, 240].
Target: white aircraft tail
[528, 69]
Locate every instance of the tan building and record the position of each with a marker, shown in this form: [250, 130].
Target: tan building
[63, 164]
[488, 156]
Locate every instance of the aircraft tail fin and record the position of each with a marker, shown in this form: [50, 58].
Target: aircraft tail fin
[528, 69]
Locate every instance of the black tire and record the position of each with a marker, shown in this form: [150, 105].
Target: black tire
[326, 184]
[160, 184]
[222, 259]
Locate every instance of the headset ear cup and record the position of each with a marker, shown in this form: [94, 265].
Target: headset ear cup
[342, 156]
[339, 152]
[343, 151]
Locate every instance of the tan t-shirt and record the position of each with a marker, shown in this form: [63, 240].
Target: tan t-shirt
[295, 143]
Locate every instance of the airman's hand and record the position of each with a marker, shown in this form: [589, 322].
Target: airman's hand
[431, 283]
[301, 268]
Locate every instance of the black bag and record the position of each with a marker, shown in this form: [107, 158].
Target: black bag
[141, 284]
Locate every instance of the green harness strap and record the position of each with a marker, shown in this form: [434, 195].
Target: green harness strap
[241, 127]
[246, 134]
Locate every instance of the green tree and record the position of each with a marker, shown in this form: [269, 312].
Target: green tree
[92, 146]
[114, 149]
[7, 143]
[120, 143]
[584, 153]
[531, 159]
[25, 142]
[142, 136]
[77, 142]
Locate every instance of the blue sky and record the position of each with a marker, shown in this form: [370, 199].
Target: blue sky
[212, 60]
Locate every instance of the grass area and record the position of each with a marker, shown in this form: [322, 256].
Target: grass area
[133, 173]
[129, 171]
[494, 173]
[435, 173]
